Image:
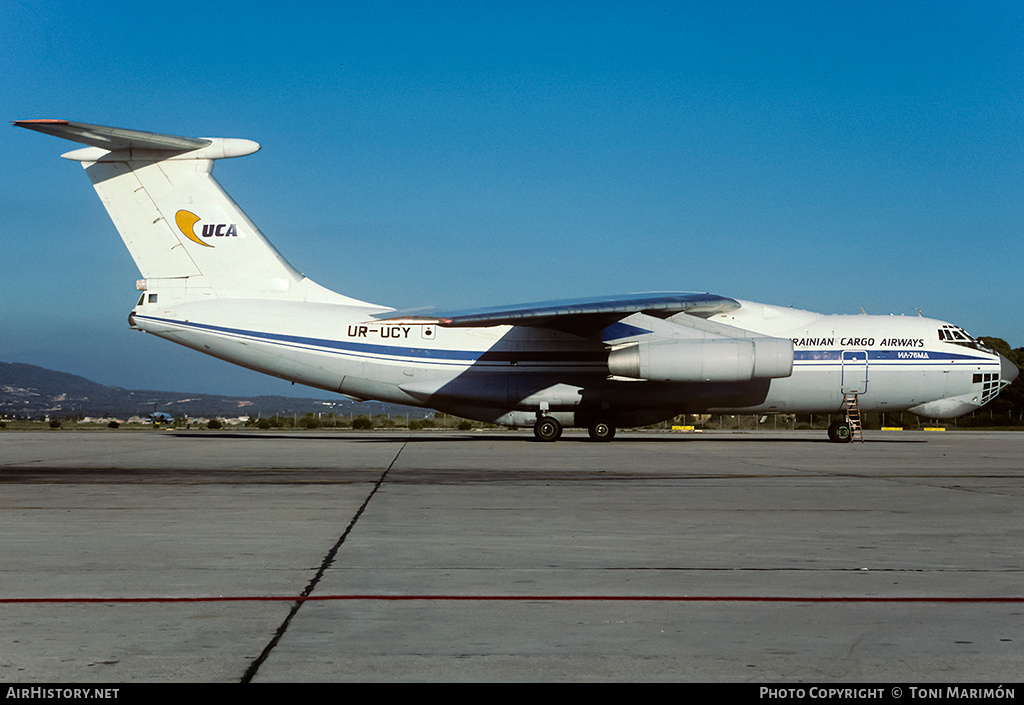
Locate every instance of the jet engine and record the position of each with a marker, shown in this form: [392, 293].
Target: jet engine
[706, 360]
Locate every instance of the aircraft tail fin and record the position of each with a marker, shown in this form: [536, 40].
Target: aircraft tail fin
[184, 232]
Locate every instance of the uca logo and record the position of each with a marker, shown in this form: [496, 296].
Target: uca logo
[186, 221]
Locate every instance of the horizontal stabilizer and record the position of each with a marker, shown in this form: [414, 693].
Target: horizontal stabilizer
[112, 138]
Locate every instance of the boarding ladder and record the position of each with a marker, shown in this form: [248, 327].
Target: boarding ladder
[852, 407]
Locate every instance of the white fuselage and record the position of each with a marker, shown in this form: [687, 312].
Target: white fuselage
[506, 374]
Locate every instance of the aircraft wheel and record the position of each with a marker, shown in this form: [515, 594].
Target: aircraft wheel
[601, 431]
[547, 428]
[840, 432]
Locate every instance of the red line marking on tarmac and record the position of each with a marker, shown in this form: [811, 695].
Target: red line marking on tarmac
[504, 598]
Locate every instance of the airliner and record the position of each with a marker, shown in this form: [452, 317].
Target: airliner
[211, 281]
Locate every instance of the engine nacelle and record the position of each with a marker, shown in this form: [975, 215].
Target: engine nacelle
[706, 360]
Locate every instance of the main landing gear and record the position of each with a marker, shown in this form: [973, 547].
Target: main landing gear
[601, 430]
[548, 428]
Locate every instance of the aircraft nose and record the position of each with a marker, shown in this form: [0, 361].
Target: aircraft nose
[1007, 370]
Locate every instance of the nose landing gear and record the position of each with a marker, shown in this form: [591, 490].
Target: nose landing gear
[840, 432]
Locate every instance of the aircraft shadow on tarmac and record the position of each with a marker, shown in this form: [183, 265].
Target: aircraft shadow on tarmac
[457, 437]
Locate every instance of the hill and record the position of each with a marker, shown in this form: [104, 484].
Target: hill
[28, 391]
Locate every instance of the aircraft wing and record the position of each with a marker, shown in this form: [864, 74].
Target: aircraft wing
[581, 315]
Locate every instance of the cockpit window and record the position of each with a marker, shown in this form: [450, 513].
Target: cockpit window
[958, 336]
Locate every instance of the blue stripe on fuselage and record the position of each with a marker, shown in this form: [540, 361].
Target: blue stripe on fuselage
[460, 358]
[296, 340]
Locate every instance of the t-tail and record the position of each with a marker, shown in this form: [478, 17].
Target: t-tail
[189, 239]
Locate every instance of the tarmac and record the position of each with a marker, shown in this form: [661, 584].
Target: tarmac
[764, 557]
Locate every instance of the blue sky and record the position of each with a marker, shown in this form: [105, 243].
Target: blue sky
[823, 155]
